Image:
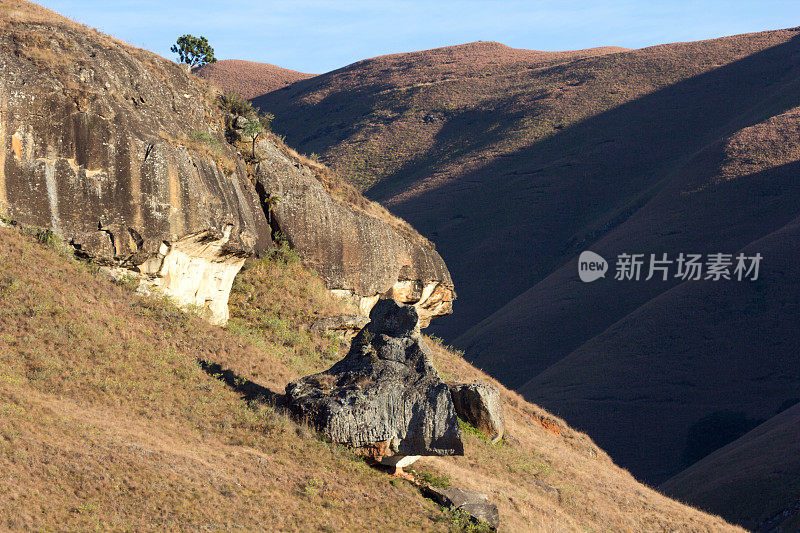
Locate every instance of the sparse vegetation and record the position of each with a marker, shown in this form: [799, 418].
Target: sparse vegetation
[255, 123]
[431, 478]
[237, 105]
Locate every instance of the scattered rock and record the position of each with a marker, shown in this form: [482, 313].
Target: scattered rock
[346, 325]
[479, 404]
[475, 504]
[384, 396]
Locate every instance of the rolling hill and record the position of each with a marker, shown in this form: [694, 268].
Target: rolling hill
[513, 162]
[121, 411]
[752, 478]
[248, 78]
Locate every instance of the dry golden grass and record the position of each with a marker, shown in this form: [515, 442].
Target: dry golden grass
[109, 421]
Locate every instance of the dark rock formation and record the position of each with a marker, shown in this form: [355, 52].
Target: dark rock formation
[358, 248]
[479, 404]
[473, 503]
[384, 395]
[121, 153]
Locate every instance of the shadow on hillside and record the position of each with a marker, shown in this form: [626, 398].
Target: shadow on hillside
[583, 180]
[250, 391]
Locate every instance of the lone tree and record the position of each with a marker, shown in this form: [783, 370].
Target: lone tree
[256, 126]
[194, 50]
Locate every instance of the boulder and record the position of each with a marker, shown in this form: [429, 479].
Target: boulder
[384, 396]
[479, 404]
[475, 504]
[359, 249]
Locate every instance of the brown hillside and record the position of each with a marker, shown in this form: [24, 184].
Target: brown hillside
[248, 78]
[494, 152]
[755, 479]
[121, 412]
[513, 172]
[110, 422]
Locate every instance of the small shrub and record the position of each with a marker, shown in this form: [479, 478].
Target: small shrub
[441, 481]
[237, 105]
[469, 429]
[283, 253]
[204, 136]
[462, 521]
[47, 237]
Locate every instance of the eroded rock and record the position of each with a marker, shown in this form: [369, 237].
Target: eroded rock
[120, 152]
[384, 396]
[479, 404]
[360, 250]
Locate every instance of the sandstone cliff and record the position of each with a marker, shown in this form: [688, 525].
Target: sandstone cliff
[123, 154]
[119, 152]
[360, 250]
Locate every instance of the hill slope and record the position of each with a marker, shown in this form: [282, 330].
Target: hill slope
[516, 166]
[751, 479]
[109, 420]
[495, 152]
[248, 78]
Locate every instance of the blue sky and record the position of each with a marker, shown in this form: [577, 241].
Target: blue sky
[321, 35]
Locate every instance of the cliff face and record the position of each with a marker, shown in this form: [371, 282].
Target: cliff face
[122, 153]
[359, 255]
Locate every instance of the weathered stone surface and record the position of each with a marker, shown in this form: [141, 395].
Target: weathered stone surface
[361, 251]
[122, 152]
[473, 503]
[384, 395]
[479, 404]
[99, 142]
[346, 325]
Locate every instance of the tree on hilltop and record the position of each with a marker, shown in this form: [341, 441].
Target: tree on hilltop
[193, 50]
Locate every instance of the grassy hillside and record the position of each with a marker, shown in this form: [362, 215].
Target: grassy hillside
[248, 78]
[121, 412]
[755, 479]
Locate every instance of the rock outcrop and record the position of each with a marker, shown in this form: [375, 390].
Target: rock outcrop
[384, 396]
[123, 154]
[361, 251]
[475, 504]
[120, 152]
[479, 404]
